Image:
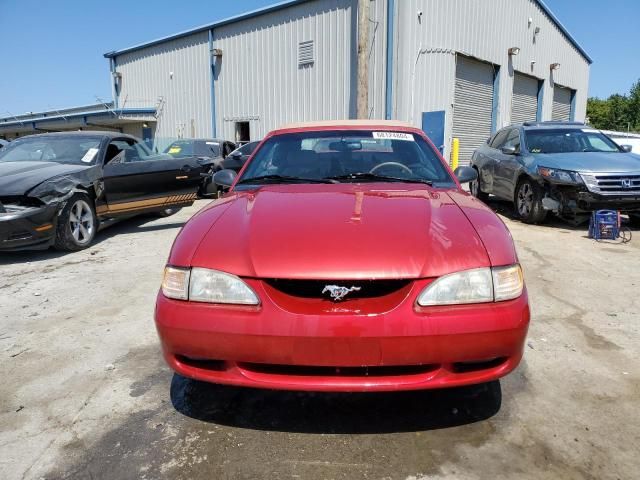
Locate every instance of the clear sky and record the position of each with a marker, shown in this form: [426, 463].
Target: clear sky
[51, 52]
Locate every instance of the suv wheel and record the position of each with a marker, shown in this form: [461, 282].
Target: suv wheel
[528, 202]
[475, 188]
[167, 212]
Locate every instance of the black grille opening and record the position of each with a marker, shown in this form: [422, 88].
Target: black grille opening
[314, 288]
[19, 235]
[465, 367]
[310, 371]
[205, 364]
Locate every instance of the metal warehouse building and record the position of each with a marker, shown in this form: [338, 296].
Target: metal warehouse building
[456, 68]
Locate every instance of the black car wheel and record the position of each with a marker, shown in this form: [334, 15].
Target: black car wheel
[528, 202]
[167, 212]
[474, 186]
[77, 224]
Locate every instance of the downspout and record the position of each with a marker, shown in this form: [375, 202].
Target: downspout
[212, 64]
[114, 82]
[496, 99]
[540, 100]
[391, 5]
[572, 112]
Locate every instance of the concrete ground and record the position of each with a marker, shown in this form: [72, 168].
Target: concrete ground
[85, 394]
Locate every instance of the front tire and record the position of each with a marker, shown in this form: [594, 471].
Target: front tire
[528, 202]
[475, 189]
[77, 224]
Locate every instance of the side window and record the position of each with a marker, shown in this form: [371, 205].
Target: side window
[141, 152]
[499, 139]
[125, 151]
[228, 148]
[513, 139]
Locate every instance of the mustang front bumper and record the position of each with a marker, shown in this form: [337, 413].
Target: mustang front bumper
[27, 228]
[404, 348]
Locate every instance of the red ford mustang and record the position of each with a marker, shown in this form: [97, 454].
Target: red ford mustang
[345, 257]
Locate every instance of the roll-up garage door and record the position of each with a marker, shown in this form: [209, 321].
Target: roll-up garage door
[561, 103]
[524, 102]
[473, 105]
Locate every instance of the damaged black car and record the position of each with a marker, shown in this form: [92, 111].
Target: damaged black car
[59, 189]
[562, 167]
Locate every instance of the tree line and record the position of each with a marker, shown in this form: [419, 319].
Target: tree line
[618, 112]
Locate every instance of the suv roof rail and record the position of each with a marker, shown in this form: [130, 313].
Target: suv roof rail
[552, 122]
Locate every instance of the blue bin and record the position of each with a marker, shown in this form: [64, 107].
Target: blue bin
[604, 225]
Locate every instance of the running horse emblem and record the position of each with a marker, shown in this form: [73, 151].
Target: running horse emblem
[337, 293]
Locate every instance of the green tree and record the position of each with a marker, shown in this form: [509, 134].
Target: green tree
[618, 112]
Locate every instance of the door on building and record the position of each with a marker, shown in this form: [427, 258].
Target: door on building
[473, 105]
[136, 181]
[524, 102]
[243, 133]
[562, 98]
[147, 137]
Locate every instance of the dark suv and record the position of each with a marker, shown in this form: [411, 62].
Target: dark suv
[563, 167]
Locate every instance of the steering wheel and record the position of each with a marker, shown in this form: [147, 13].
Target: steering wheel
[394, 164]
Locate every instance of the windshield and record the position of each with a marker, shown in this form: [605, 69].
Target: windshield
[189, 148]
[80, 150]
[568, 141]
[347, 156]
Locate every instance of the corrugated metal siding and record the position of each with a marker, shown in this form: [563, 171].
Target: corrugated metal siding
[259, 79]
[485, 29]
[561, 103]
[524, 103]
[183, 99]
[472, 105]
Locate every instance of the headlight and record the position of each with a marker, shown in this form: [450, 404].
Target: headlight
[204, 285]
[218, 287]
[564, 176]
[481, 285]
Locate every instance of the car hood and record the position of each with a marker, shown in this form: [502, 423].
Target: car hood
[344, 231]
[17, 178]
[590, 161]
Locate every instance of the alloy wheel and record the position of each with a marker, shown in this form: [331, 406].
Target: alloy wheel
[525, 199]
[81, 222]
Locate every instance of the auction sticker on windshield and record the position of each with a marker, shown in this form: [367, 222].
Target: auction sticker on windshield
[88, 157]
[407, 137]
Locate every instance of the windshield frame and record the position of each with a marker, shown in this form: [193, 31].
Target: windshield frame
[431, 155]
[566, 130]
[17, 143]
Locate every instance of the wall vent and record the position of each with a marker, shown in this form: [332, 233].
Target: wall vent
[305, 53]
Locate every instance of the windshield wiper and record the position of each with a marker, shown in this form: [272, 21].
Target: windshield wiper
[379, 178]
[284, 179]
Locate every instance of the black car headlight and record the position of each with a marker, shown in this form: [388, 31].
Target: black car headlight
[560, 176]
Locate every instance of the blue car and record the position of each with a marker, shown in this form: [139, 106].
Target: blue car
[562, 167]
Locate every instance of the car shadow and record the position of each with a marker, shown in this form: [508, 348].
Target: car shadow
[506, 209]
[133, 225]
[354, 413]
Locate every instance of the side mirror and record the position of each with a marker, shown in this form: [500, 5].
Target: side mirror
[235, 154]
[466, 174]
[510, 150]
[626, 148]
[224, 178]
